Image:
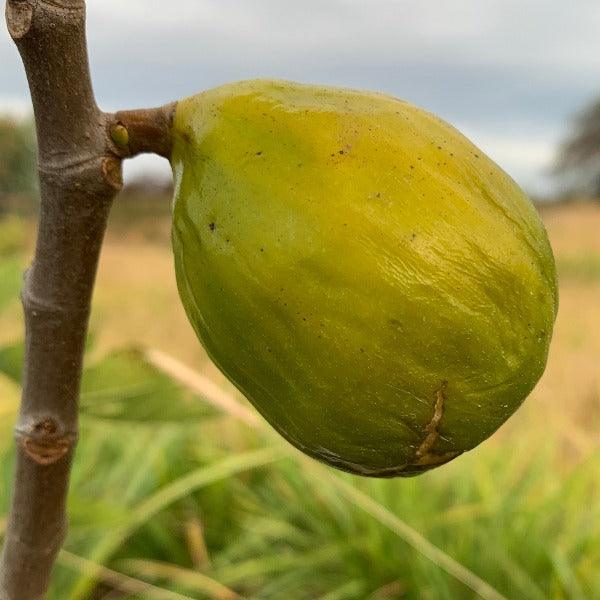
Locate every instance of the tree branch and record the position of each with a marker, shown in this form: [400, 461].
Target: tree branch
[80, 173]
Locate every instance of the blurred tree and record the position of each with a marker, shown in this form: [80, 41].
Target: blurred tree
[578, 162]
[17, 157]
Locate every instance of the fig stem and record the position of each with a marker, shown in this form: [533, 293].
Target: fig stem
[142, 130]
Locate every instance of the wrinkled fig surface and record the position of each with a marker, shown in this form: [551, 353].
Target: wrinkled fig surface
[379, 289]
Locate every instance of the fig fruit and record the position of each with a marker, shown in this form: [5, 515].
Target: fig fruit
[379, 289]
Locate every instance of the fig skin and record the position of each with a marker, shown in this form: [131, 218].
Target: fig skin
[379, 289]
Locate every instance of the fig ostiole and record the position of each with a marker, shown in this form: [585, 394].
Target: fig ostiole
[378, 288]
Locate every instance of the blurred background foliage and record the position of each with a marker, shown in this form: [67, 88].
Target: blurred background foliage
[17, 158]
[578, 160]
[180, 492]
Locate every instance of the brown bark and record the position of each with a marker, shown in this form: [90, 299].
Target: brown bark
[80, 173]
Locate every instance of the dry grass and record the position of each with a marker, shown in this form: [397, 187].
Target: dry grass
[570, 387]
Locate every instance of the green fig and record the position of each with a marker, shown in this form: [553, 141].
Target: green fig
[379, 289]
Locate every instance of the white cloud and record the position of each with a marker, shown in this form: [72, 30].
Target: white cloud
[519, 32]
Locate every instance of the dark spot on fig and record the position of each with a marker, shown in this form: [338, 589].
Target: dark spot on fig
[259, 153]
[341, 152]
[362, 350]
[378, 195]
[262, 249]
[212, 226]
[439, 147]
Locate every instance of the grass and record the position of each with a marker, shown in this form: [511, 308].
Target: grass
[179, 493]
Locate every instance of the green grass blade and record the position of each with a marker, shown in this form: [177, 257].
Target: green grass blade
[201, 477]
[566, 576]
[167, 495]
[414, 538]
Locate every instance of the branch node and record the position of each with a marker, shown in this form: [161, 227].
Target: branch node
[111, 172]
[18, 18]
[44, 441]
[36, 307]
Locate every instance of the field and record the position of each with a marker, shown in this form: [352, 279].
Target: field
[179, 490]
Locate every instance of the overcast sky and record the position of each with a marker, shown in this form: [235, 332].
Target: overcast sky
[508, 73]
